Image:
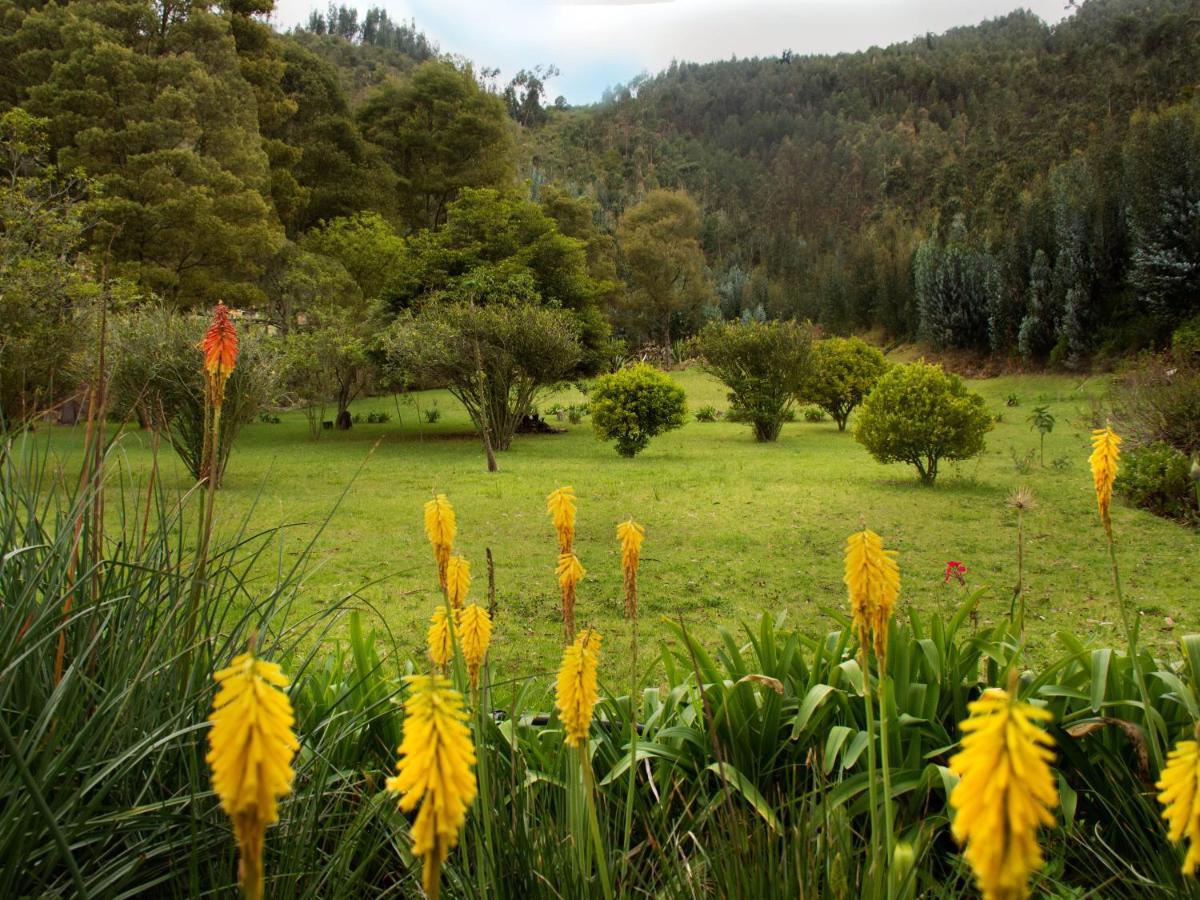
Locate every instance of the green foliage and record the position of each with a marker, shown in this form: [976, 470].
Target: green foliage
[1158, 477]
[764, 365]
[441, 132]
[669, 284]
[1165, 209]
[323, 365]
[367, 247]
[1157, 398]
[919, 414]
[1185, 342]
[957, 285]
[707, 414]
[166, 124]
[843, 372]
[633, 405]
[157, 376]
[45, 290]
[820, 176]
[493, 238]
[109, 759]
[1042, 420]
[494, 357]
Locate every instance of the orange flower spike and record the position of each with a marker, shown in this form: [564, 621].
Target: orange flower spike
[220, 347]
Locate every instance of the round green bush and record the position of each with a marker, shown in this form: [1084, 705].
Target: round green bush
[633, 405]
[920, 415]
[844, 370]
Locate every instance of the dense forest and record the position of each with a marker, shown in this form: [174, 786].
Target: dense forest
[1013, 187]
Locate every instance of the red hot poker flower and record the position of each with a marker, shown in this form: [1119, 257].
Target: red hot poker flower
[220, 347]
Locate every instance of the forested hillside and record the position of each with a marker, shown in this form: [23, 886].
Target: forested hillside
[1009, 186]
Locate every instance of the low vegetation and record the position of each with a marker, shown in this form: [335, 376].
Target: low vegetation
[634, 405]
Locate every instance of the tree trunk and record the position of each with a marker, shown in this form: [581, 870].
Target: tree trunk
[343, 421]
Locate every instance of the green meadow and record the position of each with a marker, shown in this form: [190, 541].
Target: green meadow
[733, 528]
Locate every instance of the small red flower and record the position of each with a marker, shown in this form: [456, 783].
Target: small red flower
[955, 569]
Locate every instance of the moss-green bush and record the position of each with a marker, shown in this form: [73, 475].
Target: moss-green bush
[920, 415]
[633, 405]
[844, 370]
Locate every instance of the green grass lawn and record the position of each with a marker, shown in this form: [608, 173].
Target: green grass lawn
[733, 528]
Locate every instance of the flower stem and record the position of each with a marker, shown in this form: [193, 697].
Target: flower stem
[585, 762]
[888, 813]
[872, 774]
[1131, 638]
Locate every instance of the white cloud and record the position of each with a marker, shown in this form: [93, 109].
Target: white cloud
[600, 43]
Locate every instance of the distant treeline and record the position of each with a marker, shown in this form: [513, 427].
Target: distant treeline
[1012, 187]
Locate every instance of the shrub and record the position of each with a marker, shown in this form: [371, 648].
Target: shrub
[1158, 478]
[433, 414]
[634, 405]
[1158, 399]
[494, 359]
[157, 377]
[1185, 342]
[920, 415]
[707, 414]
[843, 372]
[762, 363]
[814, 414]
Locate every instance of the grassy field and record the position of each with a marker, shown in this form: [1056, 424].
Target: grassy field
[732, 527]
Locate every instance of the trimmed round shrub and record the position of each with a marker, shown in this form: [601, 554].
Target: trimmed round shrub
[633, 405]
[1158, 478]
[843, 372]
[920, 415]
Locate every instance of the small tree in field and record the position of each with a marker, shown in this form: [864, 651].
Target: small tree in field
[493, 358]
[844, 370]
[762, 363]
[920, 415]
[633, 405]
[1042, 420]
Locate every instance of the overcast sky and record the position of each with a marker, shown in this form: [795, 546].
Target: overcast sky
[598, 44]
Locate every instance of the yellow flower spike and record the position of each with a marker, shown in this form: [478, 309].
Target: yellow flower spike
[570, 572]
[434, 771]
[1179, 793]
[251, 746]
[631, 535]
[560, 505]
[873, 578]
[474, 635]
[440, 526]
[1005, 792]
[458, 581]
[441, 644]
[1106, 452]
[575, 690]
